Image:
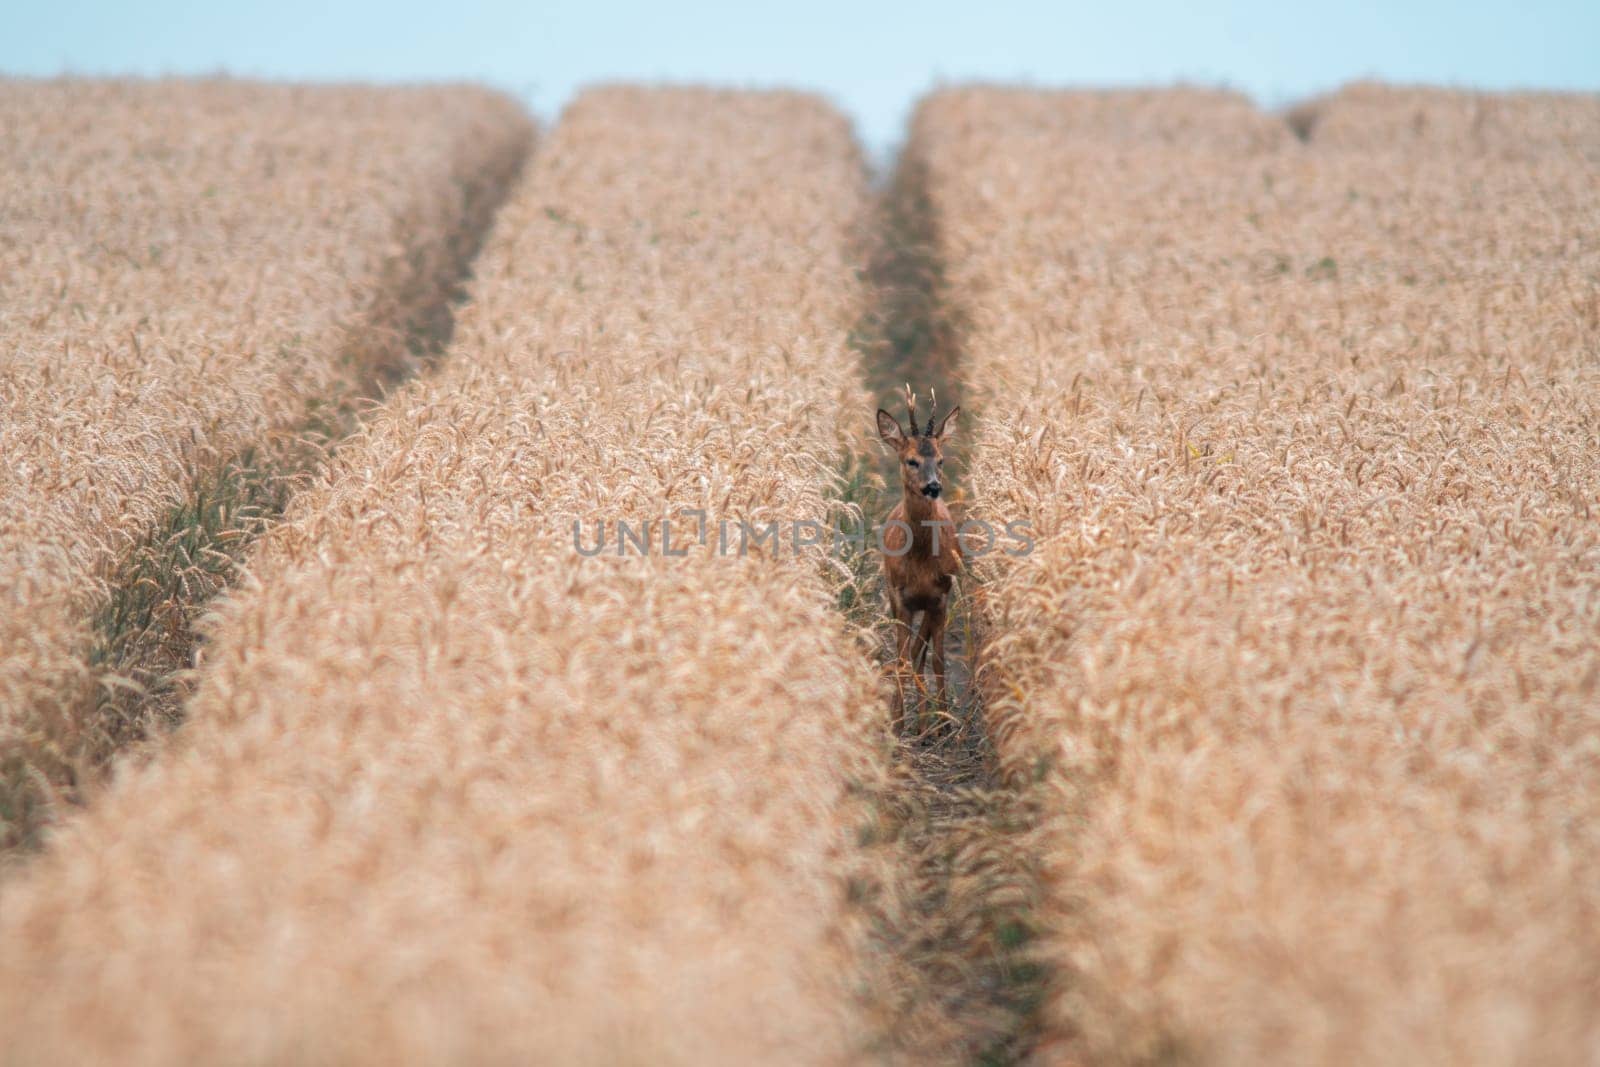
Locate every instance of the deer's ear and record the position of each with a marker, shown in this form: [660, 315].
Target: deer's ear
[947, 424]
[889, 429]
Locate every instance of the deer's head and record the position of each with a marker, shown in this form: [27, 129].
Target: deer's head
[921, 453]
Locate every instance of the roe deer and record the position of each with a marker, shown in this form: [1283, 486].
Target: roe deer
[921, 553]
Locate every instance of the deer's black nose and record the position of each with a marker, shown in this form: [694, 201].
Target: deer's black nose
[931, 490]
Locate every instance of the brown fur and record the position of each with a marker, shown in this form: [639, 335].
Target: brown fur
[919, 578]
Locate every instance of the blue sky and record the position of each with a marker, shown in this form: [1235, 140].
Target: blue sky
[872, 60]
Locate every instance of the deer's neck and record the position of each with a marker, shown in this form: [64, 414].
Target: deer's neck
[921, 515]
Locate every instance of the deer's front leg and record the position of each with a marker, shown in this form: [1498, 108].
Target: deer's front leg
[902, 659]
[920, 647]
[937, 618]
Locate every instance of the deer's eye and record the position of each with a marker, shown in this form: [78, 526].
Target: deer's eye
[912, 463]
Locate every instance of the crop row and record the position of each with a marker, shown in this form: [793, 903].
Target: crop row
[453, 791]
[1304, 660]
[194, 277]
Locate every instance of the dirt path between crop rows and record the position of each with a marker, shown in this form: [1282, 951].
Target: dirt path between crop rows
[966, 986]
[145, 634]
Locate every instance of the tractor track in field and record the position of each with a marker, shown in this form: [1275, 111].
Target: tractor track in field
[146, 634]
[956, 922]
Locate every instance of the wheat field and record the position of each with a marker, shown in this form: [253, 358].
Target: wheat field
[190, 273]
[415, 644]
[452, 792]
[1304, 662]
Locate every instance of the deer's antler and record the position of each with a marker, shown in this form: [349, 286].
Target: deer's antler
[911, 408]
[933, 403]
